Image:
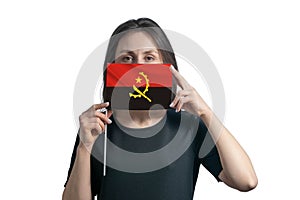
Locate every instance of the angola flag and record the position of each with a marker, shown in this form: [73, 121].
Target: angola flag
[138, 86]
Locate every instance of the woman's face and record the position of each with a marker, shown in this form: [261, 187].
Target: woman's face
[137, 47]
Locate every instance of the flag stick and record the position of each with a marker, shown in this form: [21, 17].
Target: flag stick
[105, 142]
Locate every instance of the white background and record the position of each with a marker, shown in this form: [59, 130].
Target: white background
[255, 46]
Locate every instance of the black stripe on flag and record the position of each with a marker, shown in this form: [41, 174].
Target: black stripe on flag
[119, 98]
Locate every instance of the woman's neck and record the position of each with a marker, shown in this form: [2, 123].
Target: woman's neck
[139, 118]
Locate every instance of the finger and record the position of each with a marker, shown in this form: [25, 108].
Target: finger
[109, 113]
[100, 124]
[179, 79]
[181, 103]
[99, 106]
[179, 94]
[94, 120]
[175, 101]
[100, 116]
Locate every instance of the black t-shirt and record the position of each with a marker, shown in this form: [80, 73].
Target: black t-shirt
[160, 162]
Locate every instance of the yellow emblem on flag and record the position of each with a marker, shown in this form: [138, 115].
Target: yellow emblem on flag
[140, 93]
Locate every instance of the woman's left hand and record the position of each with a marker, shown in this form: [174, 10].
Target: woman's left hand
[187, 98]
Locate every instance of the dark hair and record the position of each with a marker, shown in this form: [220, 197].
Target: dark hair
[142, 24]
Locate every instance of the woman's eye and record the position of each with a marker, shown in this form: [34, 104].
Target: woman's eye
[150, 58]
[127, 59]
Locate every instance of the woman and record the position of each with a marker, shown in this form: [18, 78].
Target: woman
[143, 41]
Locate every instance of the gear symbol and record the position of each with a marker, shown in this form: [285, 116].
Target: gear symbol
[140, 93]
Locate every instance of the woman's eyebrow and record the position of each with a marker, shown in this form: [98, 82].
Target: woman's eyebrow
[144, 52]
[150, 51]
[125, 51]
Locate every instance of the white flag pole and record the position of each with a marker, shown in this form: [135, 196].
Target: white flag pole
[105, 142]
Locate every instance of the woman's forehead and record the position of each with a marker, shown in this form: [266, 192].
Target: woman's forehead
[134, 41]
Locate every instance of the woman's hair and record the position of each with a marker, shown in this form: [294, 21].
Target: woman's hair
[145, 25]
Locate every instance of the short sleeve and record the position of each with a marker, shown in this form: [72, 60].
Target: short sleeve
[72, 158]
[207, 152]
[212, 163]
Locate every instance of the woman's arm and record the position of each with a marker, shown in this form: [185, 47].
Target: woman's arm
[237, 168]
[92, 123]
[79, 183]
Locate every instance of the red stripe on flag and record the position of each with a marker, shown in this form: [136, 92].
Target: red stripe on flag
[127, 75]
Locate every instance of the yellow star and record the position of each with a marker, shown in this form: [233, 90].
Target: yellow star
[138, 80]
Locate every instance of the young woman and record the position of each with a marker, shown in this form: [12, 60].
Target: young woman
[143, 41]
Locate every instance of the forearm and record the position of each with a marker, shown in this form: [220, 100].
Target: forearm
[79, 184]
[237, 171]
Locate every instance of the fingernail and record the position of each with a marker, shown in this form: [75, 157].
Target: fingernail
[176, 110]
[107, 103]
[171, 105]
[172, 67]
[109, 121]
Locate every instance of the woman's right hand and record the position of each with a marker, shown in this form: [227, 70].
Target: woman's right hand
[92, 123]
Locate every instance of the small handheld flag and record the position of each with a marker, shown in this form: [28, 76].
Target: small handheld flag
[138, 86]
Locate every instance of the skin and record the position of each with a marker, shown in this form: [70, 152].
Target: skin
[138, 47]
